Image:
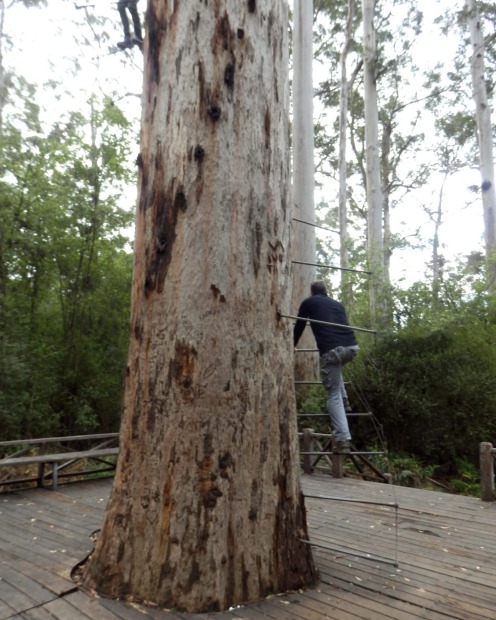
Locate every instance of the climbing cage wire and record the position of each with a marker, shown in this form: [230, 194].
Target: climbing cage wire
[360, 459]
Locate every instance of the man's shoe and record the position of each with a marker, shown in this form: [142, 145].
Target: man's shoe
[343, 447]
[128, 42]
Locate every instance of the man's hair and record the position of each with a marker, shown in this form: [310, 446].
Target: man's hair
[318, 288]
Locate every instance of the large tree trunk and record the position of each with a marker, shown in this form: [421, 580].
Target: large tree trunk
[206, 510]
[485, 137]
[304, 244]
[373, 175]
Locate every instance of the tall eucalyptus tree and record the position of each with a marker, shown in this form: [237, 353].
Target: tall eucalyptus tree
[304, 243]
[484, 135]
[375, 240]
[206, 510]
[344, 90]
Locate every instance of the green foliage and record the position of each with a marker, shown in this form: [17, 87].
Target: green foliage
[467, 480]
[65, 271]
[312, 399]
[431, 383]
[405, 469]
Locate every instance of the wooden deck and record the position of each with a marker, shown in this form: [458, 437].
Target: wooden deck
[445, 546]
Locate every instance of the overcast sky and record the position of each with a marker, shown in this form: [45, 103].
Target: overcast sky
[47, 41]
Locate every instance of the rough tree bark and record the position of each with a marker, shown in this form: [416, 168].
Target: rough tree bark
[304, 243]
[485, 138]
[206, 509]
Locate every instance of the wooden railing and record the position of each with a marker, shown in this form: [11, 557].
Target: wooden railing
[487, 460]
[59, 453]
[317, 446]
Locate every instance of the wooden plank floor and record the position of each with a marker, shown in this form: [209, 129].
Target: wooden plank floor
[445, 546]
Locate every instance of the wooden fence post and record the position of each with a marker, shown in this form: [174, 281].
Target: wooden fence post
[337, 462]
[308, 446]
[486, 460]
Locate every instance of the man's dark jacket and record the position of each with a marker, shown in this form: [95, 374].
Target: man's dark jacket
[322, 308]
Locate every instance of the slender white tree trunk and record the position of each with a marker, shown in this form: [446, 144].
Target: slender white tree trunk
[3, 88]
[206, 509]
[485, 138]
[342, 171]
[437, 218]
[372, 160]
[304, 244]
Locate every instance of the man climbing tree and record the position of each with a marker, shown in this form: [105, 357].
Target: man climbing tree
[207, 510]
[137, 39]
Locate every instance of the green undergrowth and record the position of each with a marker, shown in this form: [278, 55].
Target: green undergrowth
[407, 470]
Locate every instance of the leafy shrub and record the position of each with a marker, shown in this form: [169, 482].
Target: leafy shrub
[433, 389]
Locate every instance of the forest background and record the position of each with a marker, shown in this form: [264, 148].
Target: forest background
[69, 139]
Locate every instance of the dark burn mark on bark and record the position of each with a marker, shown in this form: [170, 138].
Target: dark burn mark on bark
[180, 203]
[166, 203]
[252, 6]
[225, 462]
[182, 368]
[138, 331]
[165, 541]
[267, 128]
[154, 107]
[224, 36]
[201, 81]
[161, 243]
[270, 24]
[275, 255]
[179, 58]
[229, 75]
[207, 102]
[194, 576]
[217, 294]
[208, 490]
[199, 153]
[256, 500]
[149, 285]
[165, 570]
[154, 36]
[214, 111]
[223, 32]
[264, 450]
[120, 551]
[486, 185]
[139, 161]
[195, 25]
[210, 501]
[208, 449]
[136, 406]
[199, 156]
[241, 33]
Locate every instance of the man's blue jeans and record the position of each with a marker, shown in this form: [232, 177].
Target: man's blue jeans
[331, 364]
